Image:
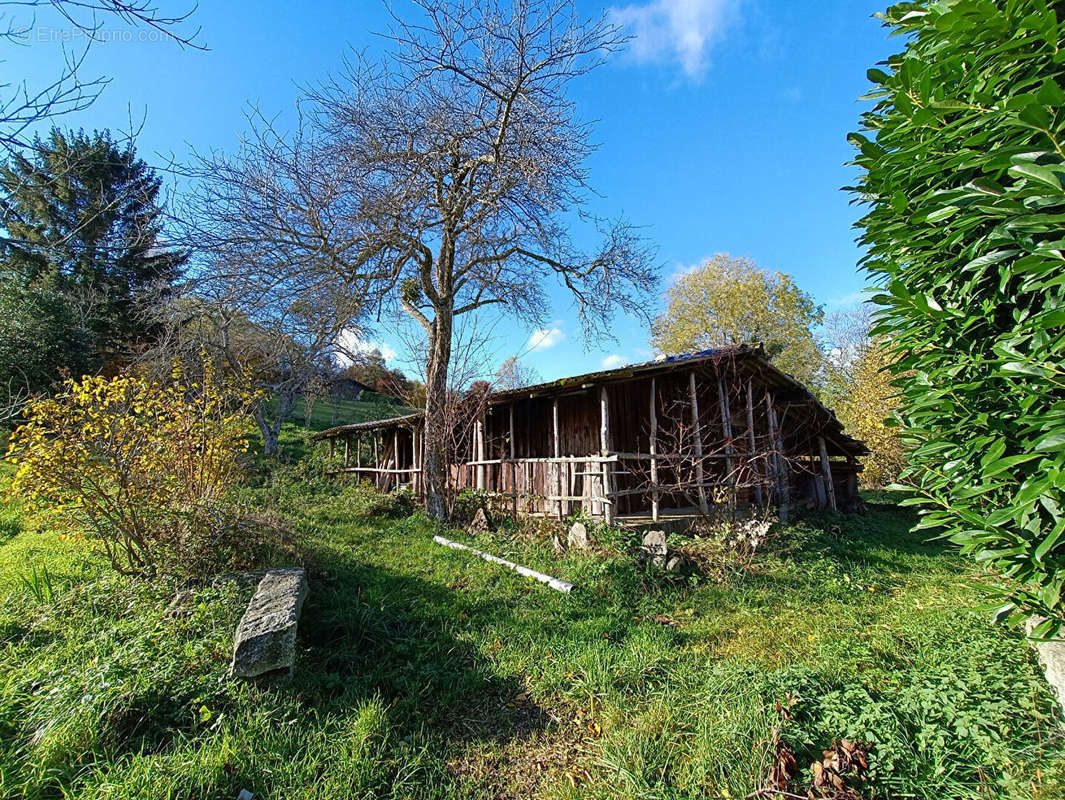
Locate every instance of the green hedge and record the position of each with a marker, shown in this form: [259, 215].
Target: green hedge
[962, 164]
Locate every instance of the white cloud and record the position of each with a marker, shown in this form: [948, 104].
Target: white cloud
[543, 338]
[846, 301]
[680, 30]
[349, 346]
[613, 360]
[682, 270]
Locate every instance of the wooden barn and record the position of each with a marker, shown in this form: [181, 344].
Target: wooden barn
[665, 438]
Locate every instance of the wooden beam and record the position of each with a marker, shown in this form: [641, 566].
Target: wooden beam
[654, 452]
[698, 433]
[332, 447]
[753, 441]
[554, 469]
[726, 430]
[481, 468]
[513, 466]
[358, 450]
[414, 457]
[347, 451]
[604, 446]
[779, 462]
[826, 469]
[395, 450]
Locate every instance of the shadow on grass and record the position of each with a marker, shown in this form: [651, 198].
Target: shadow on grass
[882, 537]
[369, 631]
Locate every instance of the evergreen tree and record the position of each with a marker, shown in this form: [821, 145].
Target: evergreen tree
[83, 220]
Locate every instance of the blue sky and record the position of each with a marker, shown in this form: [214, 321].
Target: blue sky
[722, 127]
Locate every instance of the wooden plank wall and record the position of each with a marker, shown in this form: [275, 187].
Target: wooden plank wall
[743, 464]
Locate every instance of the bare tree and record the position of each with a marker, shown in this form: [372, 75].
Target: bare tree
[512, 374]
[468, 388]
[23, 106]
[316, 388]
[446, 179]
[276, 332]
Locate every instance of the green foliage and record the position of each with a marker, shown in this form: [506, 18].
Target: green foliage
[427, 673]
[40, 332]
[139, 468]
[732, 301]
[371, 369]
[867, 408]
[962, 165]
[84, 224]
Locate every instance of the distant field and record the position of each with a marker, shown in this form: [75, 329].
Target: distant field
[326, 414]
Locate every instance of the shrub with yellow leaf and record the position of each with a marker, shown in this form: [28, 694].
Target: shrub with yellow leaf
[138, 466]
[867, 408]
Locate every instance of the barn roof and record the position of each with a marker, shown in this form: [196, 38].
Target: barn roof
[659, 365]
[767, 371]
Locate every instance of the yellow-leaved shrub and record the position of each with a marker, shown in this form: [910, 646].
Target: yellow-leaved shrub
[866, 411]
[139, 466]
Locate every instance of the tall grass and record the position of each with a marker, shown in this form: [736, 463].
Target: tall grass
[426, 673]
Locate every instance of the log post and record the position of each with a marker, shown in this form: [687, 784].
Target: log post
[376, 461]
[752, 440]
[479, 434]
[332, 447]
[513, 466]
[726, 432]
[395, 453]
[654, 452]
[698, 433]
[358, 450]
[604, 446]
[780, 466]
[347, 451]
[414, 457]
[826, 469]
[555, 470]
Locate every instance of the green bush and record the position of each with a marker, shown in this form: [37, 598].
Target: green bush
[962, 169]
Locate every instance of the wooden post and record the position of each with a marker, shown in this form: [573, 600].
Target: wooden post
[779, 462]
[698, 432]
[332, 447]
[826, 468]
[414, 457]
[479, 434]
[358, 450]
[726, 431]
[755, 472]
[604, 446]
[555, 470]
[513, 466]
[654, 452]
[376, 461]
[347, 451]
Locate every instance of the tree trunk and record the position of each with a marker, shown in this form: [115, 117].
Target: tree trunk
[270, 427]
[436, 422]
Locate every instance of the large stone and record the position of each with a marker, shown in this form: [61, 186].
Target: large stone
[1052, 656]
[480, 523]
[676, 564]
[265, 641]
[654, 547]
[578, 536]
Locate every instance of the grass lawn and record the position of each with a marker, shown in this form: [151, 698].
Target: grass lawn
[426, 673]
[326, 413]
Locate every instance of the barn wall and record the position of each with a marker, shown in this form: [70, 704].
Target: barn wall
[742, 466]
